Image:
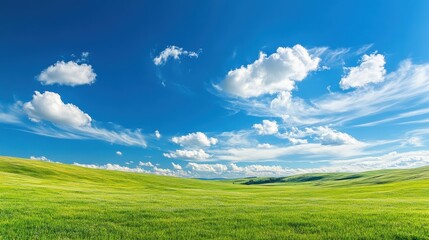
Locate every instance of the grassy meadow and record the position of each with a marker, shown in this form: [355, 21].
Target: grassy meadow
[41, 200]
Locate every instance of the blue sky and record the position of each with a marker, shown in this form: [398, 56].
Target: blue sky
[234, 88]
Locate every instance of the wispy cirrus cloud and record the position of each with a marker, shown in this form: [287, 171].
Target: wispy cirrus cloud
[10, 114]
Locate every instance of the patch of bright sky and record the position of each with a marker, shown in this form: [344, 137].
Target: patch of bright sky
[128, 97]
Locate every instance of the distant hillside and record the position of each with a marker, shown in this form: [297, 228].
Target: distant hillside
[371, 177]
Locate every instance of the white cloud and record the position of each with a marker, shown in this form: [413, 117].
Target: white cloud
[413, 141]
[259, 170]
[283, 100]
[329, 136]
[212, 168]
[153, 170]
[364, 49]
[390, 160]
[157, 134]
[176, 166]
[303, 151]
[72, 123]
[323, 134]
[173, 52]
[296, 141]
[41, 158]
[264, 145]
[370, 70]
[270, 74]
[199, 154]
[166, 172]
[8, 117]
[397, 117]
[68, 73]
[405, 90]
[85, 55]
[146, 164]
[267, 127]
[49, 107]
[119, 153]
[114, 167]
[237, 138]
[195, 140]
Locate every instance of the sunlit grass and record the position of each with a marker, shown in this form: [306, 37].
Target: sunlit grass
[40, 200]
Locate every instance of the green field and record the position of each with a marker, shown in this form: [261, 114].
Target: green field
[40, 200]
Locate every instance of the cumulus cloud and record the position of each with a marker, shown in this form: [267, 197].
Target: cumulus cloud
[270, 74]
[323, 134]
[296, 141]
[157, 134]
[283, 100]
[195, 140]
[173, 52]
[404, 90]
[267, 127]
[370, 70]
[176, 166]
[146, 164]
[49, 107]
[70, 122]
[212, 168]
[199, 154]
[264, 145]
[119, 153]
[67, 73]
[329, 136]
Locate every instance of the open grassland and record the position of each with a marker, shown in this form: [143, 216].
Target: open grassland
[40, 200]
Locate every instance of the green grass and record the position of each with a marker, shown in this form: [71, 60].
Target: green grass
[40, 200]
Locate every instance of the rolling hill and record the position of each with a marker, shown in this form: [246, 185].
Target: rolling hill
[41, 200]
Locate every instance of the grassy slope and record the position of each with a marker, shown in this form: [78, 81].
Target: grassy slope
[40, 200]
[344, 179]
